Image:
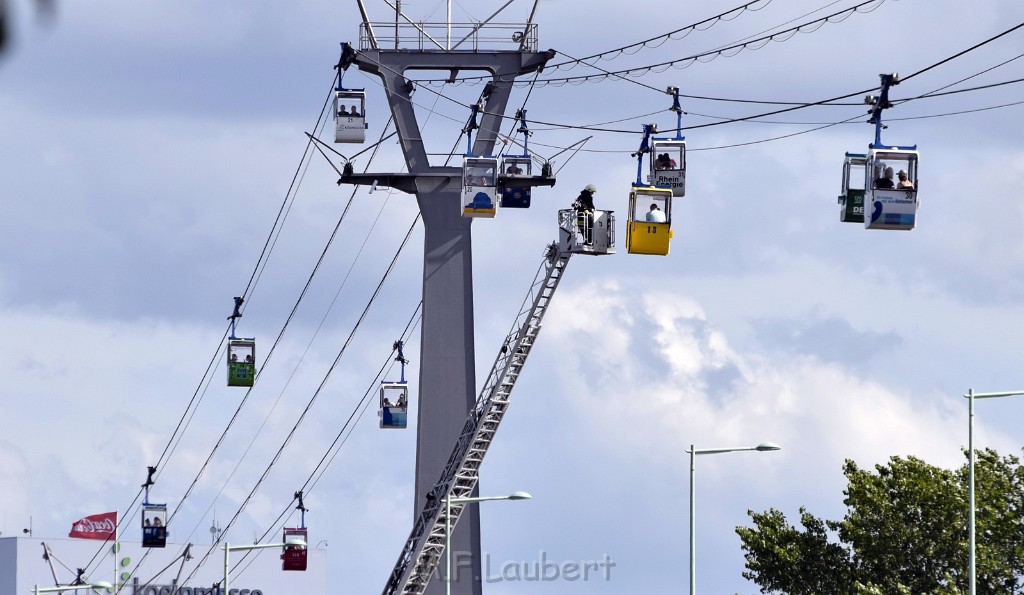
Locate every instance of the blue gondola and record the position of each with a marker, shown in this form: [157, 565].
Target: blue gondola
[890, 182]
[394, 397]
[515, 169]
[154, 517]
[241, 353]
[296, 542]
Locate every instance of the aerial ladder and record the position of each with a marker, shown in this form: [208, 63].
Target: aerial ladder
[425, 546]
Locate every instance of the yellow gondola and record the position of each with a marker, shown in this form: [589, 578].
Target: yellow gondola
[649, 225]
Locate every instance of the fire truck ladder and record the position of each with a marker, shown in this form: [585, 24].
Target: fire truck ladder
[425, 546]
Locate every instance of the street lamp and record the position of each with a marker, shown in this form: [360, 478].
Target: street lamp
[448, 501]
[971, 396]
[256, 546]
[97, 585]
[763, 447]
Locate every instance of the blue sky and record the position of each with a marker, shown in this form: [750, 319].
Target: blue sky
[147, 149]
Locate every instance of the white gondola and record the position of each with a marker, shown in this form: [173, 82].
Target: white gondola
[515, 196]
[479, 192]
[349, 116]
[890, 187]
[394, 405]
[851, 199]
[668, 165]
[890, 172]
[394, 396]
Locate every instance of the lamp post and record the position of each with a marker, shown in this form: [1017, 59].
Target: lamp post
[763, 447]
[448, 501]
[971, 396]
[97, 585]
[256, 546]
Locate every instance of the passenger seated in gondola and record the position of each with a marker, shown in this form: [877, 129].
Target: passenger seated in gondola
[157, 522]
[387, 403]
[146, 523]
[655, 215]
[904, 183]
[354, 111]
[665, 162]
[886, 180]
[513, 170]
[402, 402]
[248, 359]
[234, 357]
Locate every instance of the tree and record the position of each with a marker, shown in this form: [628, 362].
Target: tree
[905, 531]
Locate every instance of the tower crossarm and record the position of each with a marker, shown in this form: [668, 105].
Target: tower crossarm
[426, 543]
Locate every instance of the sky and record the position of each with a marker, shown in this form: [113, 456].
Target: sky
[147, 149]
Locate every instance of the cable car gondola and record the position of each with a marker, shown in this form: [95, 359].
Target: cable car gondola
[241, 354]
[394, 397]
[349, 104]
[889, 203]
[296, 542]
[515, 169]
[349, 115]
[851, 200]
[479, 177]
[649, 218]
[154, 517]
[479, 193]
[513, 195]
[668, 166]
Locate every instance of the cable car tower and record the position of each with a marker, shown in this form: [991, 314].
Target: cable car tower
[447, 377]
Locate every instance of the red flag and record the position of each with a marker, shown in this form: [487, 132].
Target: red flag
[96, 526]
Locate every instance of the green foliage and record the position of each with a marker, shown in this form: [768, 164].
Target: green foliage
[905, 531]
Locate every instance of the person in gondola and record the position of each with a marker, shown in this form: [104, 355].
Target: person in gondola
[584, 206]
[514, 170]
[886, 180]
[402, 402]
[665, 162]
[904, 183]
[655, 215]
